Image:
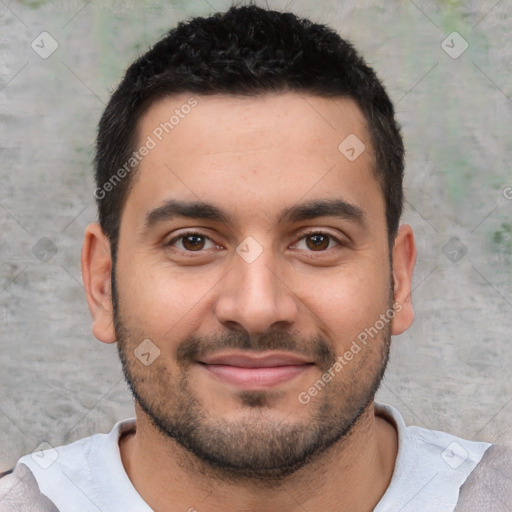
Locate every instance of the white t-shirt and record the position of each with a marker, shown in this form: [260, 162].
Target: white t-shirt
[88, 475]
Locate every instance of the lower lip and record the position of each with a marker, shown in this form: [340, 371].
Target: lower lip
[252, 378]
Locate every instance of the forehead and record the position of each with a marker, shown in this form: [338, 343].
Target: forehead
[209, 119]
[244, 151]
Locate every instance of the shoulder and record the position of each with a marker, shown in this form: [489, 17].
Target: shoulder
[19, 492]
[489, 486]
[74, 477]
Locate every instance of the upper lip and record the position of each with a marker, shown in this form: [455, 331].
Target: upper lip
[255, 360]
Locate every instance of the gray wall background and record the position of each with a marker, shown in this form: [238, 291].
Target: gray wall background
[451, 371]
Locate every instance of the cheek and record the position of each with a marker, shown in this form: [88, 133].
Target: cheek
[164, 302]
[348, 302]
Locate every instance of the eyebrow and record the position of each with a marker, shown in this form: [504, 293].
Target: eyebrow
[206, 211]
[189, 209]
[323, 208]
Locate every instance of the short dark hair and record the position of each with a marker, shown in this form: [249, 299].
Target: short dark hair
[245, 51]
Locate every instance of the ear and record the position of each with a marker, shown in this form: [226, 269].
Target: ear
[404, 259]
[96, 275]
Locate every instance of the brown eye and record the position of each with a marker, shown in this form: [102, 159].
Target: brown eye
[317, 241]
[189, 242]
[193, 242]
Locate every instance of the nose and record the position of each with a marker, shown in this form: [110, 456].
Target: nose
[254, 298]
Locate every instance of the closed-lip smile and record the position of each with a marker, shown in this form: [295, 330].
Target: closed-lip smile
[255, 370]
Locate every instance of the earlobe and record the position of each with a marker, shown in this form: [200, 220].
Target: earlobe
[404, 259]
[96, 275]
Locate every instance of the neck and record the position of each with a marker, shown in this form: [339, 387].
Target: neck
[353, 474]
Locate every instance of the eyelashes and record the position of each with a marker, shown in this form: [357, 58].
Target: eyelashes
[194, 241]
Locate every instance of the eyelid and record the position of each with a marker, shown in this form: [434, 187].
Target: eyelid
[184, 234]
[340, 240]
[299, 236]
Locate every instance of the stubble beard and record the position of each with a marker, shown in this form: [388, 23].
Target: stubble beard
[256, 447]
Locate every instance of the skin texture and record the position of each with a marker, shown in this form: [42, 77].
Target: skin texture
[254, 447]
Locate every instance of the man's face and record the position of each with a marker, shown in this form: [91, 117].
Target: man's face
[252, 293]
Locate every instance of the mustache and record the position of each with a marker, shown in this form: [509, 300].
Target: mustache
[314, 348]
